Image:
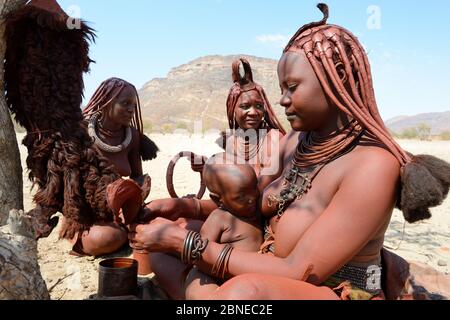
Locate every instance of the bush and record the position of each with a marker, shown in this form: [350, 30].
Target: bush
[445, 135]
[167, 128]
[409, 133]
[147, 125]
[182, 125]
[424, 131]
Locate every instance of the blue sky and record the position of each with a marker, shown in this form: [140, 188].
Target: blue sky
[407, 41]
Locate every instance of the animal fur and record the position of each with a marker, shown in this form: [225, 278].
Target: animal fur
[44, 67]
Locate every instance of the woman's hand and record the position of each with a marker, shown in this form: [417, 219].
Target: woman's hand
[160, 235]
[165, 208]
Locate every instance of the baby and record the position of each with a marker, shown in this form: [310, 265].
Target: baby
[234, 188]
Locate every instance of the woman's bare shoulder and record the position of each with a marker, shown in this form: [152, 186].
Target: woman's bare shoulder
[373, 165]
[377, 157]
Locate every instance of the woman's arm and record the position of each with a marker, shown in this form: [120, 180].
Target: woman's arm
[361, 206]
[173, 209]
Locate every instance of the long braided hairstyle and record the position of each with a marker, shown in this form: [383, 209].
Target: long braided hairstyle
[104, 96]
[343, 69]
[44, 66]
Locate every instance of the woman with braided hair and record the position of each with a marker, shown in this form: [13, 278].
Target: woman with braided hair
[115, 125]
[253, 138]
[329, 207]
[254, 127]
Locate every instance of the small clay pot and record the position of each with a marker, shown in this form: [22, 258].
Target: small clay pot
[143, 259]
[117, 277]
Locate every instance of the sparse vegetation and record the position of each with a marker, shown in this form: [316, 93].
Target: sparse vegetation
[167, 128]
[445, 135]
[147, 124]
[409, 133]
[422, 132]
[182, 126]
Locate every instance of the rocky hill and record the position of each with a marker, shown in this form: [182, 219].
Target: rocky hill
[199, 90]
[438, 122]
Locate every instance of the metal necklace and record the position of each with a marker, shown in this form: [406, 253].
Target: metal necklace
[298, 180]
[295, 185]
[92, 131]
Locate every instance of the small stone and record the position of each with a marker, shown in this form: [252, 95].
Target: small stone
[442, 263]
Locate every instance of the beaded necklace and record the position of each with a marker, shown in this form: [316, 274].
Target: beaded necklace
[315, 153]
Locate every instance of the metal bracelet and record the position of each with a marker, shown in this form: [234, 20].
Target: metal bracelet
[220, 267]
[198, 208]
[193, 248]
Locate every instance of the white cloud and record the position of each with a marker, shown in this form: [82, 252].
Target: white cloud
[276, 39]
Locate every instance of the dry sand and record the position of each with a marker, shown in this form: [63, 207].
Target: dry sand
[73, 278]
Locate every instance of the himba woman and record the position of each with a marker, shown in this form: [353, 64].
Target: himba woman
[254, 127]
[116, 128]
[254, 138]
[332, 201]
[115, 125]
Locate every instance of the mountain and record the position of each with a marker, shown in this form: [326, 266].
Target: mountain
[438, 122]
[199, 90]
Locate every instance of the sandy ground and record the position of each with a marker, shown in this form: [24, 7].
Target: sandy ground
[73, 278]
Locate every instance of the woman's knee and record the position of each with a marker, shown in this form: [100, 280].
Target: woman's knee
[265, 287]
[105, 239]
[158, 261]
[243, 287]
[169, 272]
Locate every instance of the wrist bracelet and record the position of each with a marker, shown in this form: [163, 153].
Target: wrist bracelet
[220, 268]
[193, 248]
[198, 208]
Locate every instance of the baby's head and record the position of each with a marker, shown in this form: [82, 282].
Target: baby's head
[233, 187]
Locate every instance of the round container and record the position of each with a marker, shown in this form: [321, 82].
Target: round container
[143, 259]
[117, 277]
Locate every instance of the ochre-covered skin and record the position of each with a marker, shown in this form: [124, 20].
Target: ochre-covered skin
[236, 222]
[117, 104]
[245, 94]
[327, 91]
